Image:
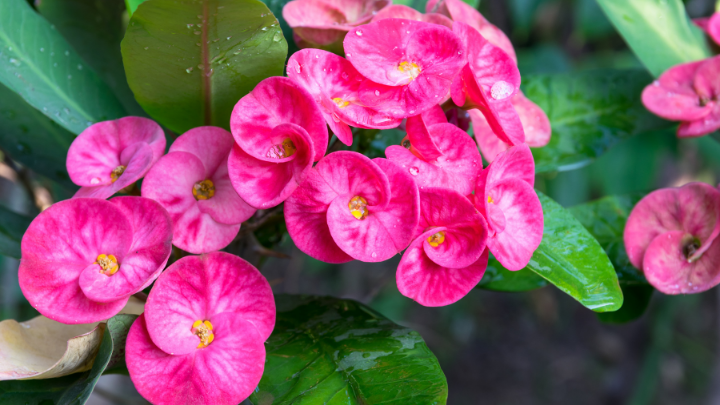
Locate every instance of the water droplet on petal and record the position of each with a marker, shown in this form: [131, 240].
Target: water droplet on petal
[374, 255]
[414, 171]
[377, 93]
[95, 180]
[358, 33]
[298, 68]
[501, 90]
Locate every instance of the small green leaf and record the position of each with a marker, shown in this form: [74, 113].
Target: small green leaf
[589, 112]
[570, 258]
[189, 63]
[95, 29]
[12, 228]
[74, 389]
[37, 63]
[31, 138]
[497, 278]
[333, 351]
[605, 220]
[132, 5]
[658, 31]
[637, 299]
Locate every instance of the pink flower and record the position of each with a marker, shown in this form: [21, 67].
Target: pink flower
[279, 131]
[448, 257]
[670, 235]
[410, 64]
[533, 119]
[462, 12]
[334, 84]
[488, 82]
[82, 258]
[324, 23]
[688, 93]
[192, 183]
[111, 155]
[438, 155]
[351, 207]
[711, 26]
[408, 13]
[201, 338]
[504, 195]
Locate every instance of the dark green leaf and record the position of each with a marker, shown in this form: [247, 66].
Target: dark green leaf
[589, 112]
[605, 219]
[74, 389]
[658, 31]
[497, 278]
[571, 259]
[38, 63]
[189, 62]
[132, 5]
[332, 351]
[637, 298]
[33, 139]
[94, 29]
[12, 228]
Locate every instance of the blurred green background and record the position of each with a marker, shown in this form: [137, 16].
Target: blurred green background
[539, 347]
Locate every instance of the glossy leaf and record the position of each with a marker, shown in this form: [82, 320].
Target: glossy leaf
[276, 7]
[39, 64]
[74, 388]
[658, 31]
[94, 29]
[570, 258]
[31, 138]
[497, 278]
[637, 299]
[189, 63]
[333, 351]
[605, 220]
[589, 112]
[12, 228]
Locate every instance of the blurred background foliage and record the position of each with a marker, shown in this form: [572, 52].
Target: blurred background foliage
[538, 347]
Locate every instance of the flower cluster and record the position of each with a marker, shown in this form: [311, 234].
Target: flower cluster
[671, 235]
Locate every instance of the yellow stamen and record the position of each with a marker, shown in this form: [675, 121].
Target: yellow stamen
[436, 239]
[490, 200]
[283, 150]
[203, 330]
[358, 207]
[340, 102]
[116, 173]
[108, 263]
[203, 190]
[410, 69]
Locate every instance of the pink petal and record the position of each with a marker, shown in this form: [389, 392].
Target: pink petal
[151, 247]
[434, 115]
[705, 81]
[204, 288]
[516, 163]
[535, 122]
[98, 150]
[489, 143]
[137, 164]
[667, 269]
[420, 139]
[713, 27]
[673, 97]
[456, 169]
[693, 209]
[226, 206]
[432, 285]
[211, 145]
[275, 101]
[408, 13]
[351, 173]
[265, 182]
[702, 126]
[463, 245]
[59, 244]
[224, 373]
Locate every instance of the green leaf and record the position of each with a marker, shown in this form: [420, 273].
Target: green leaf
[658, 31]
[189, 63]
[498, 278]
[605, 220]
[132, 5]
[74, 389]
[276, 7]
[333, 351]
[12, 228]
[95, 29]
[589, 112]
[31, 138]
[570, 258]
[637, 299]
[38, 63]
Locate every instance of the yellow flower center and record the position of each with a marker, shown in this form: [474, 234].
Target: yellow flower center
[436, 239]
[204, 190]
[282, 150]
[203, 330]
[358, 207]
[340, 102]
[116, 173]
[490, 200]
[108, 263]
[410, 69]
